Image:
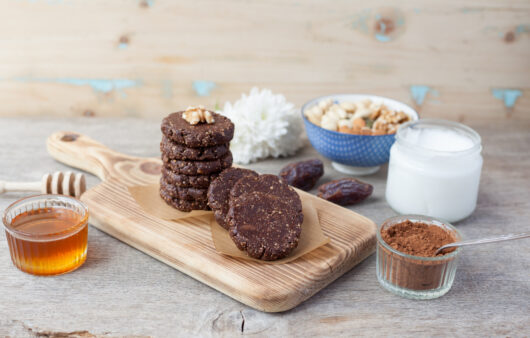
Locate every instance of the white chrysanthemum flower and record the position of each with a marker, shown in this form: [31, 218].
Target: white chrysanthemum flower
[265, 125]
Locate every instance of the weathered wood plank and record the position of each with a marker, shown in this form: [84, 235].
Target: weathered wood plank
[120, 291]
[456, 59]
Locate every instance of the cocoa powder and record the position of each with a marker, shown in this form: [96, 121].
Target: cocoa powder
[417, 239]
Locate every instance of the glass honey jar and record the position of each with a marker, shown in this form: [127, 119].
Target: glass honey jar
[47, 234]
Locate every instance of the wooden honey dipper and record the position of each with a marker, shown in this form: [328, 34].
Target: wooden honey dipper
[66, 183]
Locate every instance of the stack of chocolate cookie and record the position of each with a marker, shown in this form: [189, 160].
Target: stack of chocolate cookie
[261, 212]
[194, 151]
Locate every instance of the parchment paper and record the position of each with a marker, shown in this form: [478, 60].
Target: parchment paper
[148, 198]
[311, 238]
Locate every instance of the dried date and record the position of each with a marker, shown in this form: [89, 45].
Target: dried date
[303, 175]
[346, 191]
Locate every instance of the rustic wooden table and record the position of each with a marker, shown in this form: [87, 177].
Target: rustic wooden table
[121, 291]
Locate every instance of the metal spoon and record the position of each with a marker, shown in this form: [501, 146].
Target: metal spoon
[485, 240]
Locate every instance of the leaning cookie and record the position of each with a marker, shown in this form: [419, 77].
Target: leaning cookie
[198, 167]
[264, 226]
[176, 128]
[268, 184]
[219, 192]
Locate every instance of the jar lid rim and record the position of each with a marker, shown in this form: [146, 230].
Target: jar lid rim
[473, 136]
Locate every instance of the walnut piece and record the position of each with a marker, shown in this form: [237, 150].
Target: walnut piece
[196, 115]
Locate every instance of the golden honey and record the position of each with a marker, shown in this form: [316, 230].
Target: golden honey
[47, 234]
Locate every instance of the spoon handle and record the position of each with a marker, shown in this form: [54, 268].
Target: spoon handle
[507, 237]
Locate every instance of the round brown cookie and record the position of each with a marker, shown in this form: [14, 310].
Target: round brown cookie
[179, 130]
[177, 151]
[264, 225]
[190, 194]
[219, 192]
[268, 184]
[188, 181]
[198, 167]
[184, 205]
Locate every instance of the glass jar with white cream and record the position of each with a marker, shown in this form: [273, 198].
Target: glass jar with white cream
[434, 170]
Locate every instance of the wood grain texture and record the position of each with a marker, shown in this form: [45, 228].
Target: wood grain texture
[187, 244]
[121, 291]
[447, 58]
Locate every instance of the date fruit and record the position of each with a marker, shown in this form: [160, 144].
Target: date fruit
[346, 191]
[303, 175]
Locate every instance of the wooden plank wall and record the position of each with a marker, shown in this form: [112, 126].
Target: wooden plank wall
[448, 58]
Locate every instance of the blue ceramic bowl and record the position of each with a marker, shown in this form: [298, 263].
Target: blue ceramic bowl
[353, 154]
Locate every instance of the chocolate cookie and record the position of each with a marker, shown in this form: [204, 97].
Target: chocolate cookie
[198, 167]
[189, 194]
[219, 192]
[179, 130]
[188, 181]
[264, 225]
[184, 205]
[268, 184]
[177, 151]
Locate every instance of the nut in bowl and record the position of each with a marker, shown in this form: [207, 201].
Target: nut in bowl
[355, 131]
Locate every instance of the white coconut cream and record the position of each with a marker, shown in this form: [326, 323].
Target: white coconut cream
[434, 170]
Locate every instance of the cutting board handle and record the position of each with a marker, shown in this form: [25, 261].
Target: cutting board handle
[82, 152]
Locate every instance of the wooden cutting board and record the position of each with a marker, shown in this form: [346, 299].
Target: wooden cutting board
[187, 245]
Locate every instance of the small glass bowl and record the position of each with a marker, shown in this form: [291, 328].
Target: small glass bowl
[47, 234]
[415, 277]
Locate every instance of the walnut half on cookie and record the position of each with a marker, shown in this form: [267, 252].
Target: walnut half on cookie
[196, 115]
